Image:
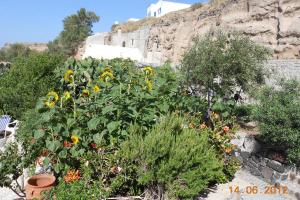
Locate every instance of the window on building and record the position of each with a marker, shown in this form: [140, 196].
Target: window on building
[159, 11]
[132, 42]
[124, 44]
[154, 14]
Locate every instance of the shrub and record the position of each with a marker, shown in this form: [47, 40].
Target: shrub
[13, 51]
[26, 81]
[221, 65]
[174, 159]
[278, 114]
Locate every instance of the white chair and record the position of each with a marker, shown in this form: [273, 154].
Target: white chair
[4, 121]
[10, 130]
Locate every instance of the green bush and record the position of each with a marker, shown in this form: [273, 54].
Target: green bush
[222, 65]
[28, 79]
[278, 113]
[13, 51]
[177, 160]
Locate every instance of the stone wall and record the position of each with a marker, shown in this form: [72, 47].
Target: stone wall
[287, 69]
[260, 162]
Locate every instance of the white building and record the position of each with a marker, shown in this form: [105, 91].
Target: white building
[163, 7]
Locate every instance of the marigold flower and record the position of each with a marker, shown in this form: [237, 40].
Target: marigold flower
[67, 144]
[68, 77]
[149, 85]
[52, 98]
[228, 150]
[75, 139]
[72, 176]
[106, 76]
[226, 129]
[149, 71]
[85, 93]
[96, 89]
[203, 126]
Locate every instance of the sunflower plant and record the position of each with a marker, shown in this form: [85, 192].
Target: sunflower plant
[93, 104]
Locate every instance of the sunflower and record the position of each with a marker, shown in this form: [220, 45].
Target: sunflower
[68, 77]
[75, 139]
[52, 98]
[149, 85]
[96, 89]
[108, 69]
[67, 95]
[106, 76]
[149, 71]
[85, 93]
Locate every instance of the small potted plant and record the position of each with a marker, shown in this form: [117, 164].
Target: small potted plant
[38, 184]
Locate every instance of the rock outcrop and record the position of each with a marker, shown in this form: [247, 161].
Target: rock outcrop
[272, 23]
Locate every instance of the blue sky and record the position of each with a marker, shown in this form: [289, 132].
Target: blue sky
[41, 20]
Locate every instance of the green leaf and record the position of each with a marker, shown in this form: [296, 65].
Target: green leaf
[70, 122]
[57, 168]
[46, 161]
[38, 134]
[113, 126]
[107, 109]
[63, 154]
[93, 123]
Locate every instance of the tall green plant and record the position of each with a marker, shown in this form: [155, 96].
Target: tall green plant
[278, 113]
[173, 159]
[27, 79]
[77, 28]
[220, 65]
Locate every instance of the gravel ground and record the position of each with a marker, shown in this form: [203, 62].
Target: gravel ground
[243, 179]
[7, 194]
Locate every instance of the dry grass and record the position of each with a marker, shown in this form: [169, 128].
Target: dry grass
[217, 3]
[196, 6]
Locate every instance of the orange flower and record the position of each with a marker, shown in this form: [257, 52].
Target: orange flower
[226, 129]
[94, 145]
[72, 176]
[191, 125]
[228, 150]
[67, 144]
[203, 126]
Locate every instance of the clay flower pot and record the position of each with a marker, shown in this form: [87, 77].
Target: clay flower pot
[38, 184]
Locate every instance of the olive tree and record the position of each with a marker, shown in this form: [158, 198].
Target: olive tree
[222, 65]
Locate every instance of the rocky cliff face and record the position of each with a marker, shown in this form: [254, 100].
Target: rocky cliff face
[272, 23]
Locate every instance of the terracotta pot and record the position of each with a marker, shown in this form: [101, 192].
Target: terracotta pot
[38, 184]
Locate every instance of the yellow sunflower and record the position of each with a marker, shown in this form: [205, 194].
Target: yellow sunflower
[85, 93]
[108, 69]
[96, 89]
[67, 95]
[149, 71]
[68, 77]
[149, 85]
[52, 98]
[106, 76]
[75, 139]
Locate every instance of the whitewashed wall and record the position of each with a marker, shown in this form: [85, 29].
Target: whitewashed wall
[163, 7]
